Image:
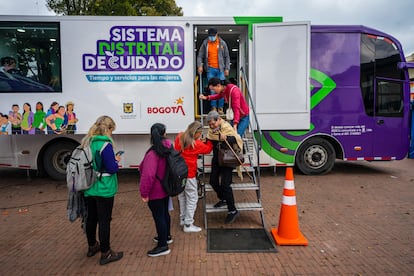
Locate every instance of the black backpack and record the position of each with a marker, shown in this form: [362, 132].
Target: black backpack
[176, 173]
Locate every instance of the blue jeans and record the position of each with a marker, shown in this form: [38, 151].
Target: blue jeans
[242, 126]
[215, 73]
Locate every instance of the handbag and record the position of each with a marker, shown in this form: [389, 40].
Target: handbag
[227, 157]
[229, 111]
[229, 114]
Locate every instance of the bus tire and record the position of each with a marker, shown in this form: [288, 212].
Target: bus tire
[55, 158]
[315, 156]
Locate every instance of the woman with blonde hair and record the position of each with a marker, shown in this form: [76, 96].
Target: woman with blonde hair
[100, 196]
[190, 145]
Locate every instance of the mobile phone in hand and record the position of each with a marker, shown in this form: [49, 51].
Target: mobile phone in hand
[120, 152]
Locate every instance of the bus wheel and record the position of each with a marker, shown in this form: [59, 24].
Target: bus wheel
[56, 157]
[315, 156]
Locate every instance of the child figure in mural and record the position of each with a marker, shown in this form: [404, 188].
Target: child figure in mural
[71, 117]
[52, 110]
[27, 119]
[56, 121]
[15, 119]
[5, 125]
[39, 122]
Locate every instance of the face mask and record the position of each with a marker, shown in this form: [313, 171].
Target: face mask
[212, 38]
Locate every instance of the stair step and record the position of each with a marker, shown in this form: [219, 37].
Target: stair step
[236, 186]
[241, 206]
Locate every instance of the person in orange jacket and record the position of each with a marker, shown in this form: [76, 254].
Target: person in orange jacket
[190, 145]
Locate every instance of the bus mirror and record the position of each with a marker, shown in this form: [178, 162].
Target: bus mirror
[405, 65]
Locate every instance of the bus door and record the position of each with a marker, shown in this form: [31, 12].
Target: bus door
[235, 37]
[391, 137]
[385, 95]
[280, 75]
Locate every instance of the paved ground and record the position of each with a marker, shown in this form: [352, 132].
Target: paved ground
[358, 220]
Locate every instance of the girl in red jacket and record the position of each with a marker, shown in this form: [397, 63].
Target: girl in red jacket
[190, 145]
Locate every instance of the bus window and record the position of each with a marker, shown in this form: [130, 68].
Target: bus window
[389, 101]
[379, 58]
[30, 57]
[368, 73]
[386, 58]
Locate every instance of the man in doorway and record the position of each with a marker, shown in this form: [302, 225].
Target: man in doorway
[213, 57]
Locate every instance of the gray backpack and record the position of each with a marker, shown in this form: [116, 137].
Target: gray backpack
[80, 174]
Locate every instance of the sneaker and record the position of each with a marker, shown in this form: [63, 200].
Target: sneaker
[213, 108]
[220, 111]
[219, 204]
[110, 256]
[191, 228]
[92, 250]
[231, 217]
[169, 240]
[159, 251]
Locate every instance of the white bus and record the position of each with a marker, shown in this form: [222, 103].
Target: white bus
[139, 70]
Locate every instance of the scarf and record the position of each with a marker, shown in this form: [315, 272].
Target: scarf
[226, 129]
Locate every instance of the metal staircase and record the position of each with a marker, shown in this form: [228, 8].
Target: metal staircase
[250, 184]
[251, 171]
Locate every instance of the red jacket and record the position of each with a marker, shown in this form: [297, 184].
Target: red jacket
[190, 154]
[238, 103]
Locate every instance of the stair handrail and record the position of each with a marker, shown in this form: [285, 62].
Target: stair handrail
[256, 121]
[257, 143]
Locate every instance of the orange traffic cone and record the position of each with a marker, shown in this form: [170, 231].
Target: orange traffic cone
[288, 232]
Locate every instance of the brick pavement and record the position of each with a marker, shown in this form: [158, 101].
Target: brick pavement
[355, 224]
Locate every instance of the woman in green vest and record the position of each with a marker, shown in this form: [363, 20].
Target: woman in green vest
[100, 196]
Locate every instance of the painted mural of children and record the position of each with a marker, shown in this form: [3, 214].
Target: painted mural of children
[52, 110]
[5, 125]
[71, 117]
[39, 122]
[27, 119]
[15, 119]
[56, 121]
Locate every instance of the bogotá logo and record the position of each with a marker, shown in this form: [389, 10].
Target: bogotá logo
[138, 48]
[174, 109]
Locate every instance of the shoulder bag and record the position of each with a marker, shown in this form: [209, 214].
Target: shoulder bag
[229, 111]
[228, 157]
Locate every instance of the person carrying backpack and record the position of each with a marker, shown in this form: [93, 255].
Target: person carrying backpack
[100, 196]
[152, 169]
[190, 145]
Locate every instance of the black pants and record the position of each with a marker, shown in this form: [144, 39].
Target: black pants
[16, 130]
[223, 188]
[99, 212]
[159, 210]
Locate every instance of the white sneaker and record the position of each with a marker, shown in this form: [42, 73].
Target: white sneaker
[191, 228]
